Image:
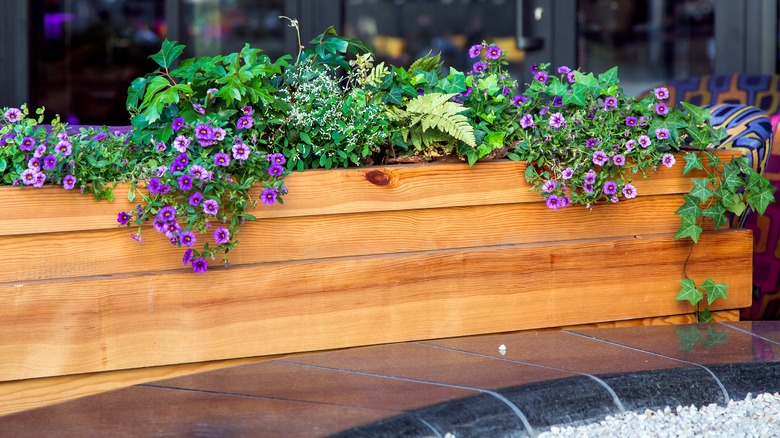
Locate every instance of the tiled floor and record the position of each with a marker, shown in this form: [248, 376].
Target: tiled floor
[465, 386]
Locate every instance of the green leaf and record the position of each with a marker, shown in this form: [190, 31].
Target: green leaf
[714, 337]
[167, 54]
[609, 77]
[714, 290]
[717, 213]
[700, 138]
[3, 165]
[689, 292]
[761, 197]
[700, 189]
[699, 115]
[692, 161]
[691, 206]
[131, 194]
[135, 92]
[577, 96]
[689, 228]
[305, 137]
[556, 88]
[689, 338]
[704, 316]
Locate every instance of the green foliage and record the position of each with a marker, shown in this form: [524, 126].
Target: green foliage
[689, 292]
[689, 338]
[432, 118]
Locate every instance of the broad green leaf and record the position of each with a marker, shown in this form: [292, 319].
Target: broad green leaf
[700, 189]
[704, 316]
[167, 54]
[691, 206]
[689, 338]
[699, 115]
[732, 178]
[3, 165]
[131, 194]
[689, 228]
[714, 290]
[577, 96]
[717, 213]
[761, 198]
[136, 92]
[587, 80]
[609, 77]
[700, 138]
[305, 137]
[155, 85]
[556, 88]
[713, 159]
[717, 135]
[689, 292]
[737, 208]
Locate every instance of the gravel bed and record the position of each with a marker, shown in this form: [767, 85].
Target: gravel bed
[753, 417]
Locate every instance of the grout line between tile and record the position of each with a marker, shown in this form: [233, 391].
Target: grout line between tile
[726, 395]
[606, 386]
[748, 332]
[433, 429]
[500, 397]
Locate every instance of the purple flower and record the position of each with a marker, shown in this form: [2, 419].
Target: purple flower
[198, 172]
[475, 50]
[241, 151]
[247, 110]
[564, 201]
[164, 188]
[204, 132]
[662, 133]
[187, 238]
[557, 101]
[630, 144]
[100, 136]
[553, 202]
[590, 177]
[567, 173]
[199, 265]
[158, 224]
[211, 206]
[28, 176]
[519, 100]
[40, 178]
[176, 166]
[137, 237]
[614, 199]
[181, 143]
[661, 93]
[268, 196]
[619, 160]
[544, 110]
[183, 159]
[588, 187]
[199, 108]
[610, 187]
[479, 67]
[631, 121]
[245, 122]
[27, 144]
[591, 142]
[185, 182]
[599, 158]
[668, 160]
[170, 229]
[187, 259]
[69, 182]
[13, 115]
[527, 121]
[50, 162]
[177, 123]
[123, 218]
[160, 146]
[534, 68]
[549, 186]
[64, 148]
[610, 102]
[629, 191]
[153, 186]
[195, 199]
[167, 213]
[221, 159]
[557, 120]
[493, 52]
[277, 158]
[467, 92]
[275, 170]
[644, 141]
[35, 164]
[661, 109]
[571, 77]
[221, 235]
[541, 76]
[563, 70]
[219, 134]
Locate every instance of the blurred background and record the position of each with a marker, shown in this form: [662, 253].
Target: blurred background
[77, 57]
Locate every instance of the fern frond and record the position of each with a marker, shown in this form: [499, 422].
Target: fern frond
[428, 63]
[376, 75]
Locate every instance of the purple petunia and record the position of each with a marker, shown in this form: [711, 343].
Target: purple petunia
[199, 265]
[27, 144]
[245, 122]
[599, 158]
[221, 235]
[40, 178]
[221, 159]
[181, 143]
[519, 100]
[13, 115]
[247, 110]
[557, 101]
[557, 120]
[590, 177]
[662, 133]
[587, 187]
[219, 134]
[185, 182]
[630, 144]
[475, 50]
[187, 238]
[563, 70]
[183, 159]
[610, 187]
[153, 186]
[35, 164]
[204, 132]
[668, 160]
[187, 259]
[167, 213]
[177, 123]
[176, 166]
[661, 93]
[610, 103]
[553, 202]
[100, 136]
[619, 160]
[534, 68]
[195, 199]
[211, 206]
[277, 158]
[158, 224]
[479, 67]
[631, 121]
[493, 52]
[549, 186]
[527, 121]
[164, 188]
[541, 76]
[64, 148]
[28, 176]
[170, 229]
[241, 151]
[567, 173]
[123, 218]
[69, 182]
[661, 109]
[268, 196]
[160, 146]
[198, 172]
[644, 141]
[629, 191]
[564, 201]
[465, 93]
[50, 162]
[571, 76]
[39, 151]
[591, 142]
[276, 170]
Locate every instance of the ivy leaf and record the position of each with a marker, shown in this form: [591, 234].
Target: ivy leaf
[556, 88]
[732, 178]
[699, 115]
[714, 290]
[700, 189]
[689, 228]
[715, 337]
[700, 138]
[692, 161]
[717, 214]
[704, 316]
[689, 292]
[167, 54]
[760, 198]
[577, 96]
[588, 81]
[691, 206]
[609, 77]
[689, 338]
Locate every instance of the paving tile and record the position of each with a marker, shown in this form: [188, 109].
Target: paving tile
[144, 412]
[297, 382]
[766, 339]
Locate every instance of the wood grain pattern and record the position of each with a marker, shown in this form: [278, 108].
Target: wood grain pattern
[273, 308]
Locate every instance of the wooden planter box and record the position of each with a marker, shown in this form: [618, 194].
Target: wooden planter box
[353, 257]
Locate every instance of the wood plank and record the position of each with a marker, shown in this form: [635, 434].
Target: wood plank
[275, 308]
[25, 210]
[111, 252]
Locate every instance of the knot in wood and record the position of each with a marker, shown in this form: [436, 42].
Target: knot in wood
[378, 178]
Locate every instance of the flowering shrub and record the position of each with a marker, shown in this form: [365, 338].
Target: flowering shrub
[31, 155]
